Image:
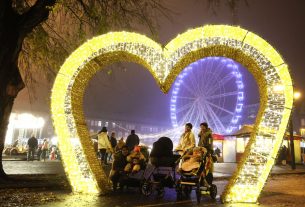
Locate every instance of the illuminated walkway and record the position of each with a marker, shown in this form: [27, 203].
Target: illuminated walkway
[222, 170]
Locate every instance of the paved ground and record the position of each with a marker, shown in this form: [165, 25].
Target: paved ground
[222, 170]
[33, 167]
[44, 184]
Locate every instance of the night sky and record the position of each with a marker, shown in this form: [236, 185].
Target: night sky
[127, 91]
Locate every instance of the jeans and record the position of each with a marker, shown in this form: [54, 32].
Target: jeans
[103, 154]
[44, 154]
[31, 153]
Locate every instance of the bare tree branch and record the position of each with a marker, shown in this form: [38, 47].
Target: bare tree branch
[36, 14]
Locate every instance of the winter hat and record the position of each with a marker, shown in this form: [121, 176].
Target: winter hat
[104, 129]
[137, 149]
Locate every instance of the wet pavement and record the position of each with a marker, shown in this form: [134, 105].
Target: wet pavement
[33, 167]
[221, 170]
[132, 197]
[47, 179]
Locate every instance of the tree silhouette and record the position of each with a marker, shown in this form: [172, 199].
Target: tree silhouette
[37, 35]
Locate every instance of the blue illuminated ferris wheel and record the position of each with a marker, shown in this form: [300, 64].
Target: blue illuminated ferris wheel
[209, 90]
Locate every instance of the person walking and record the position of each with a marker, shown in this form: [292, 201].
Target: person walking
[205, 136]
[217, 152]
[44, 149]
[132, 140]
[104, 145]
[283, 153]
[53, 153]
[32, 145]
[187, 139]
[120, 144]
[113, 143]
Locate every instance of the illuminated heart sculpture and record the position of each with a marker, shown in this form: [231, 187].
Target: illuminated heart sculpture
[165, 63]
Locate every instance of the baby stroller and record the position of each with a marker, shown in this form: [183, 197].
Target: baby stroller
[199, 179]
[162, 175]
[134, 179]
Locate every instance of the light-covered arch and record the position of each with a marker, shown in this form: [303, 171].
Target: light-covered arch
[260, 58]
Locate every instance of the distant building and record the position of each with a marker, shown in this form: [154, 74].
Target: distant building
[123, 128]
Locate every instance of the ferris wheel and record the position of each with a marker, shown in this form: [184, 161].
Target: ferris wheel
[210, 90]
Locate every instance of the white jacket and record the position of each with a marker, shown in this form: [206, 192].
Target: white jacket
[103, 141]
[187, 141]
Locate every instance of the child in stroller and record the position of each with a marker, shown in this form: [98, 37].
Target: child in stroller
[119, 173]
[194, 170]
[135, 159]
[192, 160]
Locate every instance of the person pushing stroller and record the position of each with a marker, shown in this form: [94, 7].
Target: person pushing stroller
[205, 136]
[187, 140]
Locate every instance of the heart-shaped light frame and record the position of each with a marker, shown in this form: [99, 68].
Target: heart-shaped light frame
[165, 63]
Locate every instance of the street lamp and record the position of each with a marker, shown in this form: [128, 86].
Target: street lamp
[296, 96]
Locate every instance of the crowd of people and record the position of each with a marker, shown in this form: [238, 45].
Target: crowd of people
[107, 146]
[128, 157]
[43, 150]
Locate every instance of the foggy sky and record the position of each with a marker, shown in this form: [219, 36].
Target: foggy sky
[130, 91]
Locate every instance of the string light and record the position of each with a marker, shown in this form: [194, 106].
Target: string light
[254, 53]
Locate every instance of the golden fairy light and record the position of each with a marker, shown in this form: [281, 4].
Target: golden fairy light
[260, 58]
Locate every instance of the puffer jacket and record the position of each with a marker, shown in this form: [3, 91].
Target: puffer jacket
[103, 141]
[187, 141]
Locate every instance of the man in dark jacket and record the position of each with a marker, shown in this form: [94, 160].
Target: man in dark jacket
[113, 140]
[113, 143]
[32, 145]
[132, 140]
[118, 165]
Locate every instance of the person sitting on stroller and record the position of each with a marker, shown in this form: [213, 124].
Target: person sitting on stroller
[118, 165]
[193, 159]
[135, 159]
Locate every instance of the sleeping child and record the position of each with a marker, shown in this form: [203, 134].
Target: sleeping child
[193, 160]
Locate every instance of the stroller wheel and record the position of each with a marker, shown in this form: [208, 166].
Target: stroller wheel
[146, 188]
[187, 190]
[114, 186]
[160, 192]
[198, 193]
[121, 187]
[179, 194]
[179, 191]
[213, 191]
